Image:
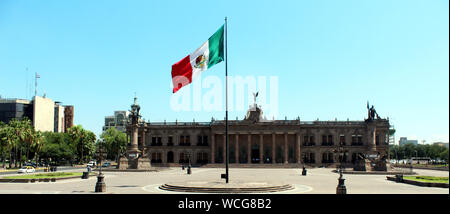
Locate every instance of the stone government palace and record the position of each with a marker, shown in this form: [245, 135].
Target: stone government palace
[256, 142]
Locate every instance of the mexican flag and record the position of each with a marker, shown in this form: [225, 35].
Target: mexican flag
[191, 66]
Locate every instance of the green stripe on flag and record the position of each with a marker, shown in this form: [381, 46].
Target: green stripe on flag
[216, 47]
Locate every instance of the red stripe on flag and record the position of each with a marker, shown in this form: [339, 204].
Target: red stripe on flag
[181, 73]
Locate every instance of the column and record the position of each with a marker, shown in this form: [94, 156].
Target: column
[224, 150]
[236, 150]
[143, 143]
[273, 148]
[388, 147]
[285, 148]
[261, 148]
[134, 141]
[212, 149]
[249, 148]
[299, 152]
[371, 136]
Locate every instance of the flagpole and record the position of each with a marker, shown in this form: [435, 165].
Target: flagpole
[35, 85]
[226, 103]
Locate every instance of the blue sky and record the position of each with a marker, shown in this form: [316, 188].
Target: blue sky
[330, 57]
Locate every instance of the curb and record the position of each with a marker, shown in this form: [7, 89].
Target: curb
[34, 180]
[419, 183]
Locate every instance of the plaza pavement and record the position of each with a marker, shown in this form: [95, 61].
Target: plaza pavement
[317, 181]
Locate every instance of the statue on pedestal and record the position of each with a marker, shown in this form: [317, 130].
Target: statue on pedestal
[372, 113]
[134, 157]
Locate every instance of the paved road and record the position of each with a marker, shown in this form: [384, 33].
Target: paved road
[318, 181]
[60, 168]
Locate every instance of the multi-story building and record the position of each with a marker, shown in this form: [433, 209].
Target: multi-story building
[15, 108]
[404, 141]
[118, 121]
[44, 113]
[68, 117]
[255, 140]
[441, 144]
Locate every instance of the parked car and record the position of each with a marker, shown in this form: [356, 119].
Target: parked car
[91, 164]
[106, 164]
[26, 169]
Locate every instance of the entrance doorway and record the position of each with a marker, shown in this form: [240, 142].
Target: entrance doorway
[255, 154]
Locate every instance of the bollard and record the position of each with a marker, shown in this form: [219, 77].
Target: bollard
[189, 170]
[304, 171]
[100, 186]
[85, 175]
[341, 189]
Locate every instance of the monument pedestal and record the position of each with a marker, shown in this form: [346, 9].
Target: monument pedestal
[123, 163]
[134, 161]
[143, 163]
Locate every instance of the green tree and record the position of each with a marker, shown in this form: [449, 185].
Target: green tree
[3, 142]
[115, 143]
[83, 141]
[444, 155]
[55, 147]
[38, 139]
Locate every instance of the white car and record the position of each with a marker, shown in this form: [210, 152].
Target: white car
[26, 169]
[91, 164]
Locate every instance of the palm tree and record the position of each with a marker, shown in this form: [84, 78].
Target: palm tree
[37, 139]
[75, 134]
[83, 141]
[3, 142]
[16, 126]
[9, 138]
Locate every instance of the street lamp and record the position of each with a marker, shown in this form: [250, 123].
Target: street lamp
[340, 189]
[189, 166]
[100, 186]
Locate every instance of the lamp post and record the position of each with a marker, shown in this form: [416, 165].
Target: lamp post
[340, 189]
[189, 164]
[100, 186]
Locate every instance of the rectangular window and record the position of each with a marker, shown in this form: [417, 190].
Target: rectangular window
[187, 140]
[181, 140]
[354, 140]
[199, 140]
[170, 141]
[342, 140]
[305, 140]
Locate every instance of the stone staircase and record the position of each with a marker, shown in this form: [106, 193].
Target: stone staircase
[176, 188]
